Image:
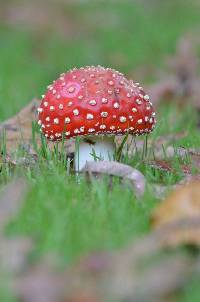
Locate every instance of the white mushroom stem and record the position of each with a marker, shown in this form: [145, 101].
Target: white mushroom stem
[94, 148]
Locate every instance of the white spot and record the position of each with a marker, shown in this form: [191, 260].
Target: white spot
[134, 109]
[63, 84]
[54, 91]
[146, 97]
[46, 104]
[111, 83]
[139, 102]
[140, 121]
[56, 121]
[40, 110]
[104, 101]
[112, 127]
[39, 122]
[83, 80]
[61, 106]
[74, 77]
[58, 96]
[80, 97]
[92, 102]
[92, 75]
[110, 91]
[43, 96]
[52, 108]
[58, 135]
[104, 114]
[82, 129]
[71, 89]
[128, 95]
[47, 119]
[91, 130]
[146, 118]
[90, 116]
[67, 133]
[122, 119]
[75, 112]
[116, 105]
[151, 120]
[153, 114]
[76, 131]
[67, 120]
[102, 127]
[69, 104]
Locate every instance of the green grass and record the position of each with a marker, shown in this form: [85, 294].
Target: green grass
[72, 219]
[61, 215]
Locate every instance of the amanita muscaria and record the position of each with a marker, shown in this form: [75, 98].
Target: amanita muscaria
[95, 103]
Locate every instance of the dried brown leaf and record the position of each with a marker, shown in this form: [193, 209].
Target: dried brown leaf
[184, 231]
[184, 202]
[19, 128]
[161, 165]
[113, 168]
[166, 165]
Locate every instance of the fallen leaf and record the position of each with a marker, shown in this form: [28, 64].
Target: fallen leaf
[184, 231]
[18, 129]
[166, 165]
[182, 203]
[160, 165]
[113, 168]
[152, 283]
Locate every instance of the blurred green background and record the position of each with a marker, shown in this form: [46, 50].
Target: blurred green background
[41, 39]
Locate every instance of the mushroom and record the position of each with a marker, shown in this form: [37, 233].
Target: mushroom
[95, 104]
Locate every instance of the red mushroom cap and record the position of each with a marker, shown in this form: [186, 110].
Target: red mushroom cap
[95, 100]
